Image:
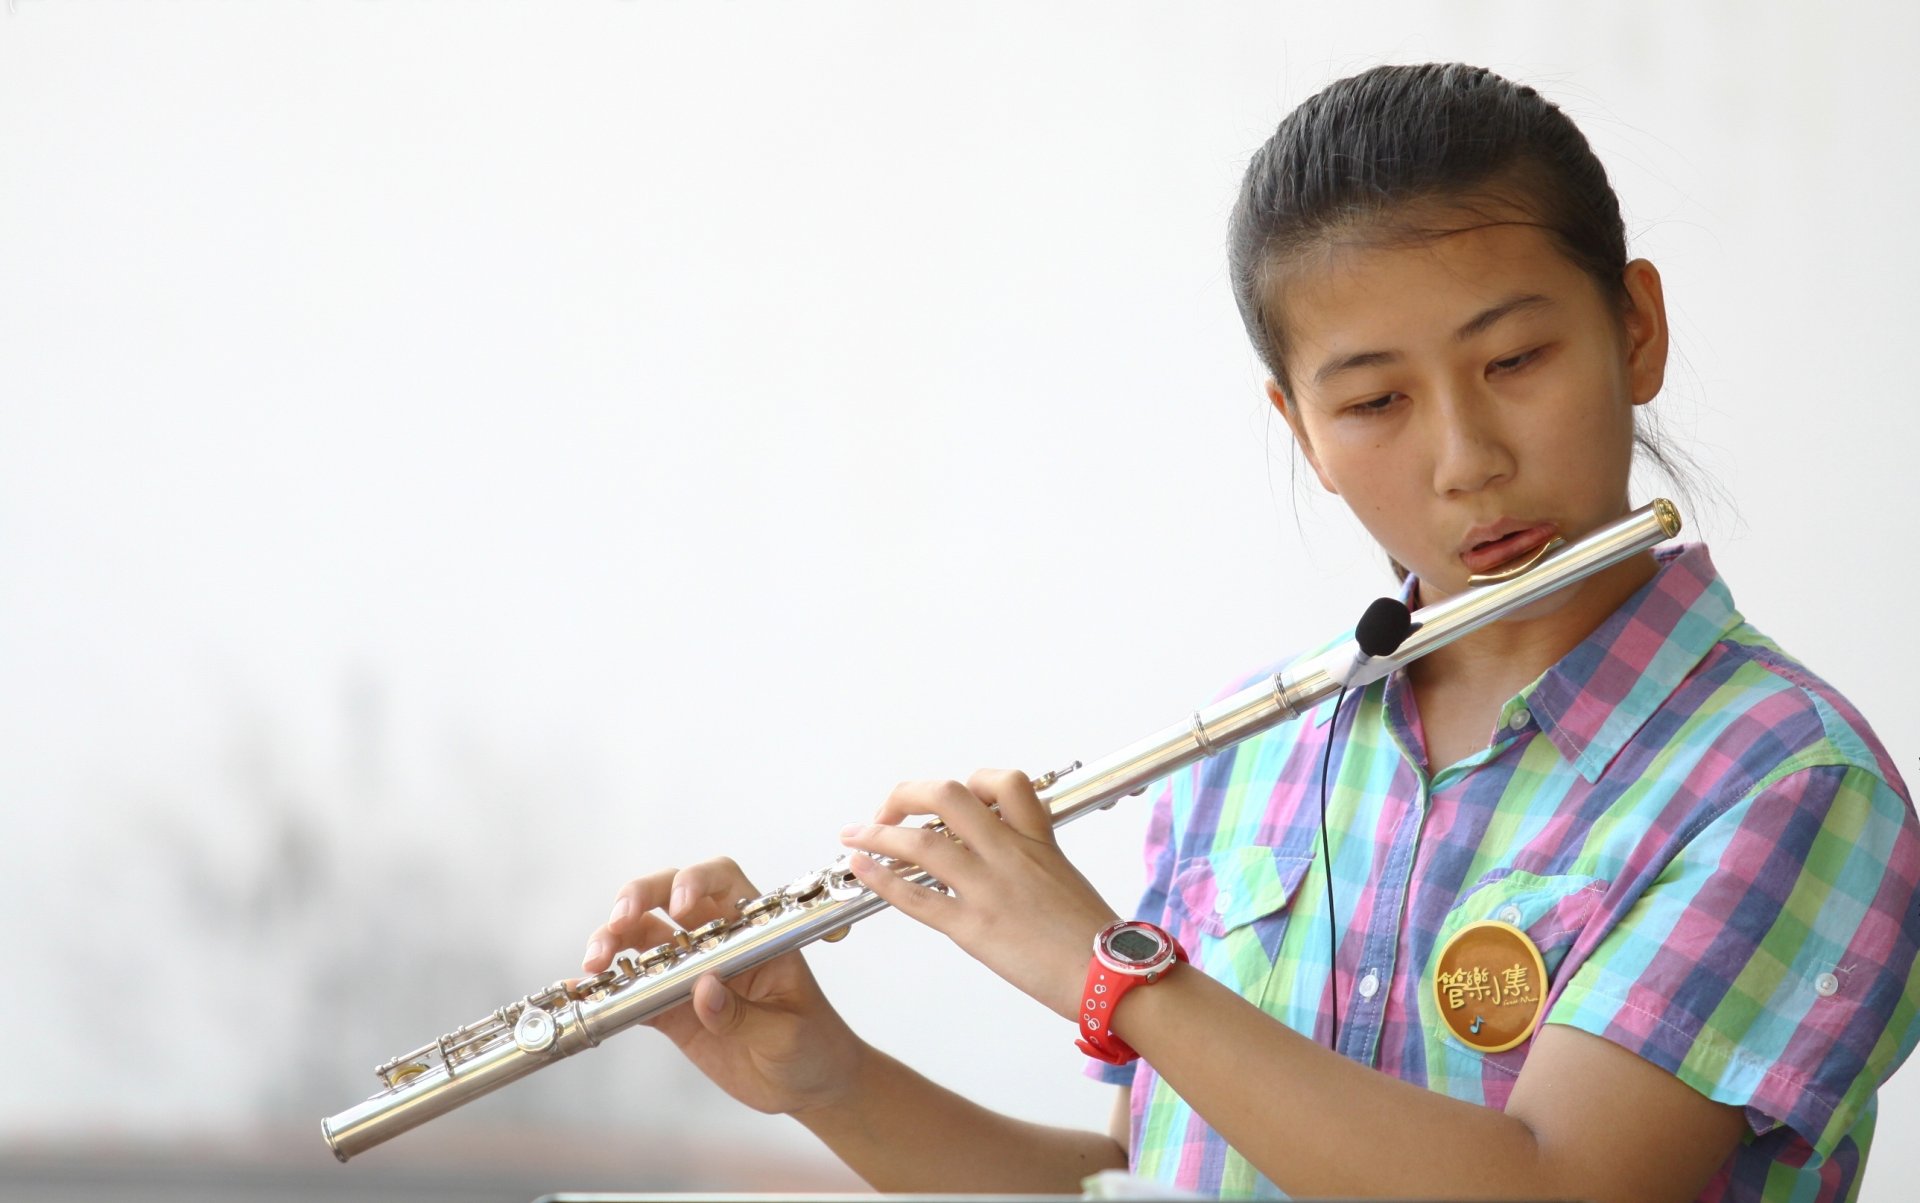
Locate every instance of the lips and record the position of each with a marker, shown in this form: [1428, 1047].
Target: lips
[1488, 547]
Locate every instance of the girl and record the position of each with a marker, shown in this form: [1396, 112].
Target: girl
[1695, 854]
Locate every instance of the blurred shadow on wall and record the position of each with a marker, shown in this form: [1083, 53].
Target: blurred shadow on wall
[304, 916]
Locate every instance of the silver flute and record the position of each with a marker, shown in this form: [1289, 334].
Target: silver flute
[567, 1017]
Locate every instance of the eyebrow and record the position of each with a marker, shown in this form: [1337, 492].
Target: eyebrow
[1480, 323]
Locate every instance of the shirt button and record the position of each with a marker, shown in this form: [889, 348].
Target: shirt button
[1370, 984]
[1509, 914]
[1519, 719]
[1826, 985]
[1222, 903]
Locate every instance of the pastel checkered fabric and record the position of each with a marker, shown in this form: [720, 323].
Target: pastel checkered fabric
[1715, 857]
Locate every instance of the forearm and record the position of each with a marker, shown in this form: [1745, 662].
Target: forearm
[901, 1132]
[1314, 1122]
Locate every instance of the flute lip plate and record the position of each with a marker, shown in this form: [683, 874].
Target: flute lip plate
[1517, 567]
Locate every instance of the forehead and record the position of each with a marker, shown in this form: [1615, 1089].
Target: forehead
[1359, 294]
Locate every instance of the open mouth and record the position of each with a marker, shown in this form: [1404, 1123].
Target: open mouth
[1491, 554]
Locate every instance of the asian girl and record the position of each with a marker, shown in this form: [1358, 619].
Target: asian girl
[1703, 862]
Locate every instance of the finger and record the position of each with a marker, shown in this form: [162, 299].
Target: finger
[725, 1011]
[649, 930]
[1012, 792]
[627, 924]
[707, 891]
[607, 940]
[719, 1009]
[949, 801]
[925, 904]
[938, 855]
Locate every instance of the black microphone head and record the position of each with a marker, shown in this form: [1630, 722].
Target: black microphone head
[1384, 627]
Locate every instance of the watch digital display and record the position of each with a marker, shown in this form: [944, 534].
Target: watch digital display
[1134, 944]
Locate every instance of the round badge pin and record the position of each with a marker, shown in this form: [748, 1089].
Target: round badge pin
[1490, 985]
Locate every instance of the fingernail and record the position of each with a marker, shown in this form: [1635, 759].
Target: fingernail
[713, 1001]
[851, 830]
[678, 902]
[593, 952]
[621, 909]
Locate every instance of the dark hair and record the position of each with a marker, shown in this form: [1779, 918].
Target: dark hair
[1366, 157]
[1352, 160]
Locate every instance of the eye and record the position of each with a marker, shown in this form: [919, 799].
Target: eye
[1377, 405]
[1514, 363]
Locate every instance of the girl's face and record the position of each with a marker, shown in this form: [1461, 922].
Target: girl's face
[1470, 396]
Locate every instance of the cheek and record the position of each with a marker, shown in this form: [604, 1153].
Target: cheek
[1587, 434]
[1370, 471]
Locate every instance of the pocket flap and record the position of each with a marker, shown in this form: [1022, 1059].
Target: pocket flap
[1230, 889]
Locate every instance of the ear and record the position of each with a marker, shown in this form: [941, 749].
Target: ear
[1645, 324]
[1291, 415]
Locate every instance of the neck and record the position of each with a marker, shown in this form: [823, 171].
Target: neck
[1503, 657]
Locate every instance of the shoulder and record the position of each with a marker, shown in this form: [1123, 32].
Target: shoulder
[1680, 685]
[1764, 715]
[1759, 935]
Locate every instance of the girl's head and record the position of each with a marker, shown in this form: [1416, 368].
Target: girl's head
[1379, 156]
[1432, 265]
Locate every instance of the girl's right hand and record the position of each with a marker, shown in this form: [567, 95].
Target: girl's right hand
[768, 1036]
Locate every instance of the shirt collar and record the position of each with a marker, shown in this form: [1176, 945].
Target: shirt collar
[1601, 693]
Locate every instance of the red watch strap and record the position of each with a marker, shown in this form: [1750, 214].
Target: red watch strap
[1103, 991]
[1100, 997]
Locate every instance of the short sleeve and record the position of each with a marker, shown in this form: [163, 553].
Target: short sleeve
[1770, 964]
[1152, 907]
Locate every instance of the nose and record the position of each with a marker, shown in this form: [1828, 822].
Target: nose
[1471, 451]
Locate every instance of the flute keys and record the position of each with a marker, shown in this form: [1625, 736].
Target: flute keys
[656, 959]
[399, 1075]
[842, 885]
[757, 911]
[1046, 780]
[626, 963]
[535, 1030]
[806, 889]
[708, 935]
[588, 987]
[840, 874]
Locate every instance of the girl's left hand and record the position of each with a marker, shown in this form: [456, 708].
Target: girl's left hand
[1017, 906]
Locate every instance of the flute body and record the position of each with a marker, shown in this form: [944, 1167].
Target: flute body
[565, 1018]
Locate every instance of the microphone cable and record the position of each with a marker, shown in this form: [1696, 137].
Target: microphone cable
[1326, 858]
[1380, 632]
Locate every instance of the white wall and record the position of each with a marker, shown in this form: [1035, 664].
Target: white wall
[454, 457]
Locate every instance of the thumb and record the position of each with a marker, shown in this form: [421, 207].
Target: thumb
[721, 1011]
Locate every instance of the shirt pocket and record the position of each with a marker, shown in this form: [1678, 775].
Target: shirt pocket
[1552, 911]
[1230, 910]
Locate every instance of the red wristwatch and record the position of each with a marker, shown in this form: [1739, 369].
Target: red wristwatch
[1125, 955]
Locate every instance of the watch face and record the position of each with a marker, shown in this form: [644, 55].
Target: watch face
[1134, 945]
[1136, 949]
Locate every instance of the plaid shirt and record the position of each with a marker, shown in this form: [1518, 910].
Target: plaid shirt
[1713, 853]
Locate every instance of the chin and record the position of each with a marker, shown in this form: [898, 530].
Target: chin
[1438, 589]
[1552, 603]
